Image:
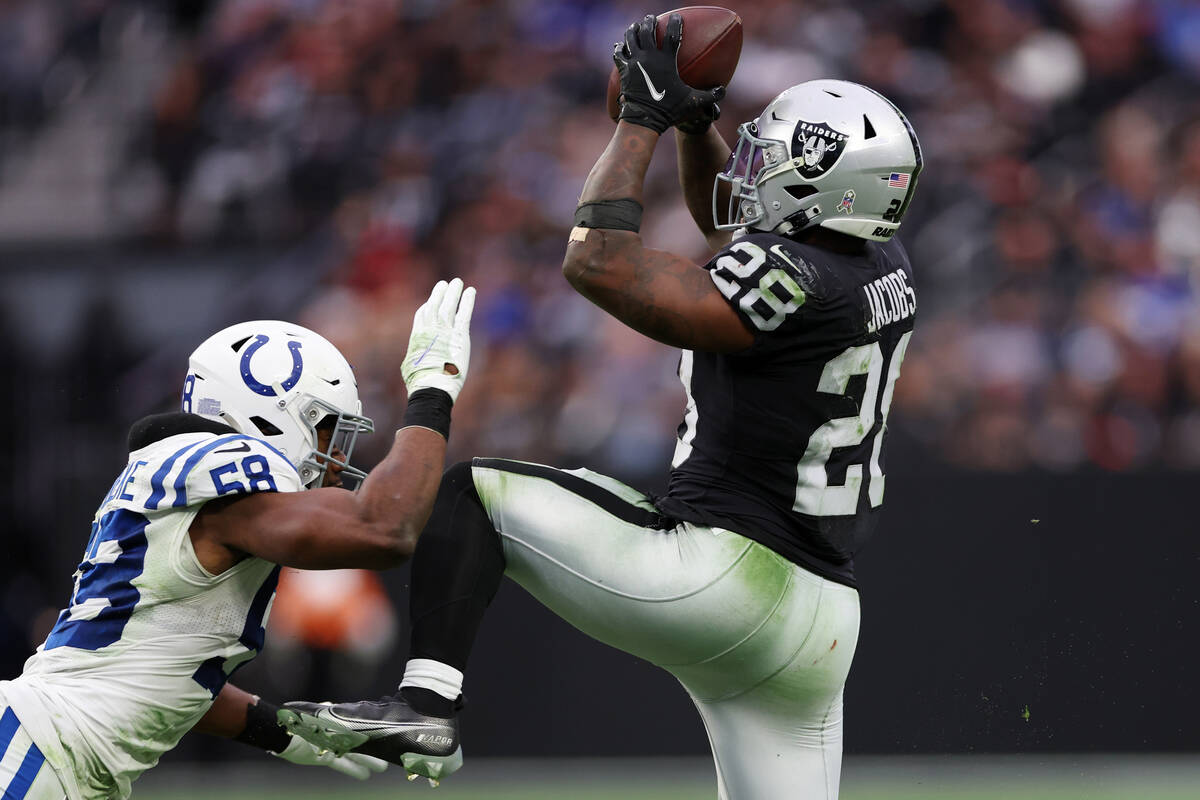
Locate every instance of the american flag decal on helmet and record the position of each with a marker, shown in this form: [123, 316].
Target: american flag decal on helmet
[898, 180]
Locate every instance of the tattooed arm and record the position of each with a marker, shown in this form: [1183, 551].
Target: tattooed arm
[659, 294]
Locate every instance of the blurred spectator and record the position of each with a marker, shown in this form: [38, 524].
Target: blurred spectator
[45, 49]
[331, 628]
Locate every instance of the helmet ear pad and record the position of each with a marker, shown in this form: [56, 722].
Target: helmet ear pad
[845, 159]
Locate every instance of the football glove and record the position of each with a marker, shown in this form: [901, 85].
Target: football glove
[652, 93]
[439, 350]
[356, 765]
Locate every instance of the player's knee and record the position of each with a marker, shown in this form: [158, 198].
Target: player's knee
[458, 478]
[459, 515]
[458, 496]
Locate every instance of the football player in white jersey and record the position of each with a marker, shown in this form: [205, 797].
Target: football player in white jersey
[177, 579]
[739, 581]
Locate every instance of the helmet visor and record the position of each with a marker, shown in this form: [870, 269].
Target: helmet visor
[750, 160]
[745, 162]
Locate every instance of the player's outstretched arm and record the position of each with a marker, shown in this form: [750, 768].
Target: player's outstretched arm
[662, 295]
[701, 154]
[377, 526]
[238, 715]
[330, 528]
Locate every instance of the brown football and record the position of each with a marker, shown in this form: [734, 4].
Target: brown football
[708, 51]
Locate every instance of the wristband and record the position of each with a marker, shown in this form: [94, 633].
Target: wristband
[700, 125]
[429, 408]
[620, 215]
[263, 729]
[646, 115]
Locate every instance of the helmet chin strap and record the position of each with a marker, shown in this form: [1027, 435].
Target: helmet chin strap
[803, 217]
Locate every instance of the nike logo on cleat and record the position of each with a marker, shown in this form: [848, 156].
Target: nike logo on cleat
[378, 725]
[654, 92]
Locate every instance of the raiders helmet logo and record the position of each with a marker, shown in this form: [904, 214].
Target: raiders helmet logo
[819, 145]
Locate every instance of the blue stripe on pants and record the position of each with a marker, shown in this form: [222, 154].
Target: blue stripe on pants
[8, 729]
[25, 775]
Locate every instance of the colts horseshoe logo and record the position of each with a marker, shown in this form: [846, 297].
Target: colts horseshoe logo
[262, 388]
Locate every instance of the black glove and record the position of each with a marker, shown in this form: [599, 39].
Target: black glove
[652, 93]
[702, 123]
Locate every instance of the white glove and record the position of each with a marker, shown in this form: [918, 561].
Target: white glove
[356, 765]
[439, 349]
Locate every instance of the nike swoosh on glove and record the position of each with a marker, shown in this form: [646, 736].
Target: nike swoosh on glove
[355, 765]
[652, 93]
[439, 349]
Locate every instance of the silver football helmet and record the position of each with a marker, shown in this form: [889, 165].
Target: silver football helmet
[279, 382]
[829, 153]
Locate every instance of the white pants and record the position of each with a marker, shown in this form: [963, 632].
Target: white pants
[24, 773]
[762, 645]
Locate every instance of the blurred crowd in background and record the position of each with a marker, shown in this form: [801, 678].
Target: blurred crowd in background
[1055, 233]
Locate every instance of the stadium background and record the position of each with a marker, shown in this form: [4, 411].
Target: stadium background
[170, 168]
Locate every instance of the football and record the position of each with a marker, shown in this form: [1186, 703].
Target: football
[708, 51]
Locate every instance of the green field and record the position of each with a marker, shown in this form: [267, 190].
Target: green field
[892, 778]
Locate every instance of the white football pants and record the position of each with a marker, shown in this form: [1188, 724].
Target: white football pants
[762, 645]
[24, 773]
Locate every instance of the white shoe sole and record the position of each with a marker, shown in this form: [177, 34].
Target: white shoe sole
[325, 734]
[330, 735]
[433, 767]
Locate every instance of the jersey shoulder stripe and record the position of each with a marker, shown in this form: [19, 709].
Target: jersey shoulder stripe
[192, 468]
[250, 445]
[158, 491]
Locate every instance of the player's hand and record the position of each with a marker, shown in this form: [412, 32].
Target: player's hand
[702, 122]
[439, 350]
[356, 765]
[652, 93]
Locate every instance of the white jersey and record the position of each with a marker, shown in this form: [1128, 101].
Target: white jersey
[150, 636]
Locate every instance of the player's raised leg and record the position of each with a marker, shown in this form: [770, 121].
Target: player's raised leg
[595, 552]
[460, 564]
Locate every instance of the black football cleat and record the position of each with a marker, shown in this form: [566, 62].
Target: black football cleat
[388, 728]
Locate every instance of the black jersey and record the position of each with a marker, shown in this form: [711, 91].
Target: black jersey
[784, 442]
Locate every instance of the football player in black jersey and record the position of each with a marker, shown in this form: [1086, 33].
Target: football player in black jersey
[740, 581]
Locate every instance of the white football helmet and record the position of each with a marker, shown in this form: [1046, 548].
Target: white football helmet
[279, 382]
[829, 153]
